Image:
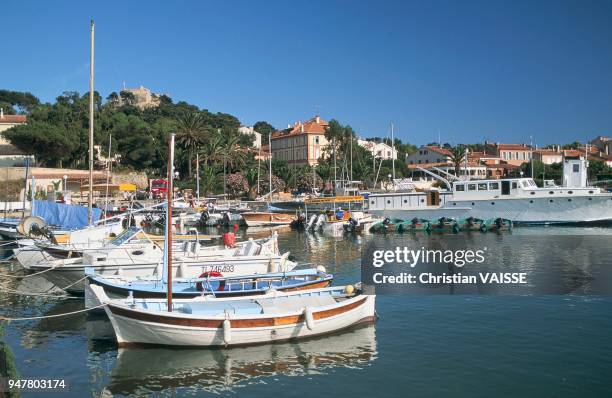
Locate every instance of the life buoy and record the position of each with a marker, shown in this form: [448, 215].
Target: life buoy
[210, 274]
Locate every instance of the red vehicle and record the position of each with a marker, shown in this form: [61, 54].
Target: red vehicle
[158, 188]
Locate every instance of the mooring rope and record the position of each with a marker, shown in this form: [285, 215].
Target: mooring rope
[34, 274]
[43, 294]
[3, 318]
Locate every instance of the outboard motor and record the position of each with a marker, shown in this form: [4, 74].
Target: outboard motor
[312, 221]
[351, 225]
[320, 221]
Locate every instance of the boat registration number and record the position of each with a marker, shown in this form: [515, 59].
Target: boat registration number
[223, 269]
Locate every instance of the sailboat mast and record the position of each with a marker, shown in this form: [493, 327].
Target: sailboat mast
[335, 169]
[270, 168]
[91, 125]
[393, 153]
[108, 166]
[168, 240]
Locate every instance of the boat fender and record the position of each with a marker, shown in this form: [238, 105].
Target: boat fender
[210, 274]
[310, 323]
[227, 331]
[349, 289]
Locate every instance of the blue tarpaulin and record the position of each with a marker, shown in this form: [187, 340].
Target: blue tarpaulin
[63, 215]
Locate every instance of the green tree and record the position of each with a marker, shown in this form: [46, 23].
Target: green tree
[45, 140]
[457, 157]
[265, 129]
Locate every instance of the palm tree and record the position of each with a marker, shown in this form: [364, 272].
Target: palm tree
[191, 134]
[210, 152]
[208, 180]
[251, 177]
[457, 157]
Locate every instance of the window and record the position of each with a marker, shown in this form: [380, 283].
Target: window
[524, 184]
[459, 187]
[576, 168]
[482, 186]
[316, 139]
[494, 186]
[514, 185]
[471, 187]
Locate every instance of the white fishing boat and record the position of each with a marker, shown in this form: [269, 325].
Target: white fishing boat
[66, 245]
[517, 199]
[133, 254]
[206, 321]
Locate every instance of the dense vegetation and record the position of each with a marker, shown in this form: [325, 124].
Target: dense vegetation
[57, 134]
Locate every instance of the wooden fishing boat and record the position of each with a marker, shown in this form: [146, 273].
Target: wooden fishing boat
[262, 219]
[205, 321]
[209, 283]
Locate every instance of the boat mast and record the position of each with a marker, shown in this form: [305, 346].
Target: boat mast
[91, 125]
[198, 176]
[335, 168]
[168, 240]
[108, 166]
[392, 154]
[270, 167]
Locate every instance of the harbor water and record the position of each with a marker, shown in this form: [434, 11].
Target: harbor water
[421, 345]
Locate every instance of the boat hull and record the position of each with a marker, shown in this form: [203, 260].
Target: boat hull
[562, 210]
[261, 219]
[71, 276]
[137, 327]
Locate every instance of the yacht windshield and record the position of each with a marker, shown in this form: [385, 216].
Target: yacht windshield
[125, 236]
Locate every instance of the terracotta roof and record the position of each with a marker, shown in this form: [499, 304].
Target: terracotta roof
[439, 150]
[512, 147]
[426, 165]
[479, 155]
[309, 127]
[13, 119]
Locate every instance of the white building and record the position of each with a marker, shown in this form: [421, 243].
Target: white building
[428, 155]
[379, 150]
[251, 130]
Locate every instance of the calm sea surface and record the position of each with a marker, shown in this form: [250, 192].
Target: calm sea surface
[421, 346]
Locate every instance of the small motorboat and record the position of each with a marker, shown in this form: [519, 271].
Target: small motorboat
[208, 321]
[213, 283]
[499, 224]
[445, 224]
[472, 224]
[416, 224]
[386, 225]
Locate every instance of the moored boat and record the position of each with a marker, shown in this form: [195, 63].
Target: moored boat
[205, 321]
[262, 218]
[209, 283]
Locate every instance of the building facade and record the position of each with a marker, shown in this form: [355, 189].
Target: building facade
[249, 130]
[10, 155]
[429, 155]
[301, 144]
[379, 150]
[515, 154]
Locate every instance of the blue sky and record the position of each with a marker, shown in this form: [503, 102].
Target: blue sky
[470, 70]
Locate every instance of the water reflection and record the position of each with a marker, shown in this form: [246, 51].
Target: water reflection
[140, 371]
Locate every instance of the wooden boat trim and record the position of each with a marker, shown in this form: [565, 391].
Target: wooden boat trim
[318, 284]
[235, 323]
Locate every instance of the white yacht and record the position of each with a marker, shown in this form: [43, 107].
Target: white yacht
[516, 199]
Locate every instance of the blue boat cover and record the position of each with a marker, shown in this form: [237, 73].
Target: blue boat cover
[63, 215]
